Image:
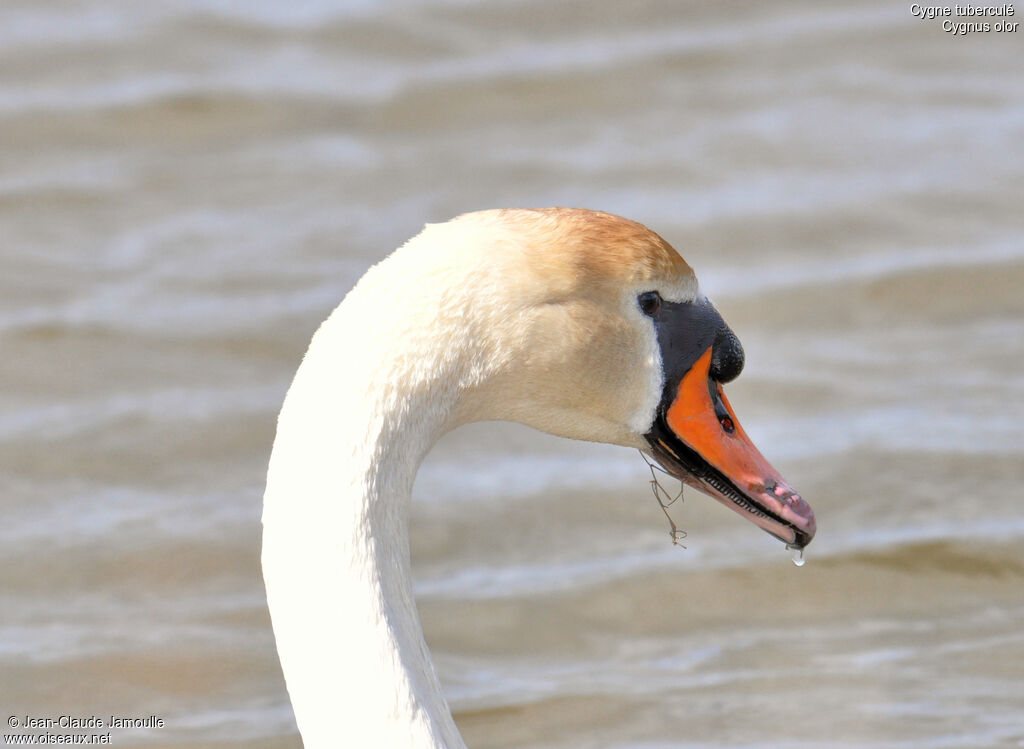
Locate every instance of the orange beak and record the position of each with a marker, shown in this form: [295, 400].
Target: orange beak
[699, 440]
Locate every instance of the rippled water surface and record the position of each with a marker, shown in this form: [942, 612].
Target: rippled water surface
[188, 188]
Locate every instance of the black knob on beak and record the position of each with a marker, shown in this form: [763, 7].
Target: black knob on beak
[726, 357]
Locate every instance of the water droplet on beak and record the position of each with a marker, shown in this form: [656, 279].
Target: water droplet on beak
[796, 553]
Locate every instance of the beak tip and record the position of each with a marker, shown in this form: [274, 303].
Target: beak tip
[789, 507]
[805, 535]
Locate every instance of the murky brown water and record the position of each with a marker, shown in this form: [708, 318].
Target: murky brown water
[186, 190]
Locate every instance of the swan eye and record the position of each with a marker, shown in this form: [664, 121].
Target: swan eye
[650, 302]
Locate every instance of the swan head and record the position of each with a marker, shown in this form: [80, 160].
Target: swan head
[596, 329]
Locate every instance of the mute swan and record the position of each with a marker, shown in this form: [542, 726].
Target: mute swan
[575, 322]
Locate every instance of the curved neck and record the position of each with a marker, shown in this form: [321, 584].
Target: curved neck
[359, 418]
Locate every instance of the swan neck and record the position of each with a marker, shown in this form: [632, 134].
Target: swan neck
[351, 436]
